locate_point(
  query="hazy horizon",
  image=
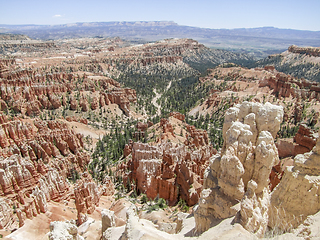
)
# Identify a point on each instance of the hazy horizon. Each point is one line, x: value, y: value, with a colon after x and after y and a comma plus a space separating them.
x: 156, y: 21
x: 232, y: 14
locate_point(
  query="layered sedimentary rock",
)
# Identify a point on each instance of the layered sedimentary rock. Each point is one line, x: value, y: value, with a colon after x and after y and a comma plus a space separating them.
x: 297, y: 195
x: 241, y: 172
x: 283, y: 85
x: 167, y: 170
x: 306, y: 139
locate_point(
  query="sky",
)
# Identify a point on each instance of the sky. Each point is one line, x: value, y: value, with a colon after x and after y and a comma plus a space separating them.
x: 293, y: 14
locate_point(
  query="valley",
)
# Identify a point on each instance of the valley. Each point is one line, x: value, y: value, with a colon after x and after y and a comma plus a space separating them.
x: 104, y: 138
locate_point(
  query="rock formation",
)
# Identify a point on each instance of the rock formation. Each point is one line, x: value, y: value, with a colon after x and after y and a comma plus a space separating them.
x: 241, y: 172
x: 31, y: 91
x: 305, y: 138
x: 6, y: 213
x: 166, y: 170
x: 284, y: 85
x: 36, y: 157
x: 178, y: 115
x: 297, y: 195
x: 87, y: 196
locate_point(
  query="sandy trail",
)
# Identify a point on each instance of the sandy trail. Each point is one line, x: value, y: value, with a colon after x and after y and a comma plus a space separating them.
x: 155, y: 99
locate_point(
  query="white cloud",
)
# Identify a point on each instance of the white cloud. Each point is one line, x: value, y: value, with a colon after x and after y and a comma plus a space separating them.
x: 57, y: 16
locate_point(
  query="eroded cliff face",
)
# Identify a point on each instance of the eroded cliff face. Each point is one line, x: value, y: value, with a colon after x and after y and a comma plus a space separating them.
x: 237, y: 179
x: 36, y: 157
x: 32, y: 91
x: 170, y: 171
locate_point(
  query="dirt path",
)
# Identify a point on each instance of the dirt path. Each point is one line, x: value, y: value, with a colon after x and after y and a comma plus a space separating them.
x: 155, y: 99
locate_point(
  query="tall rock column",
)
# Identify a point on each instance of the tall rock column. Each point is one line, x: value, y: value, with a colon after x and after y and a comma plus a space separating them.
x: 241, y: 172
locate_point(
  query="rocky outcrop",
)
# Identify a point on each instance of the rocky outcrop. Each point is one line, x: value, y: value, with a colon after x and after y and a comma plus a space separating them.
x: 306, y: 139
x: 6, y: 213
x: 75, y: 119
x: 286, y: 147
x: 167, y: 170
x: 196, y: 137
x: 166, y: 126
x: 241, y: 172
x: 297, y: 195
x: 108, y: 188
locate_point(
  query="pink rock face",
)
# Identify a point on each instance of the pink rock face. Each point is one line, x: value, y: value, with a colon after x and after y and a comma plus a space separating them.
x: 286, y: 147
x: 303, y: 142
x: 198, y: 137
